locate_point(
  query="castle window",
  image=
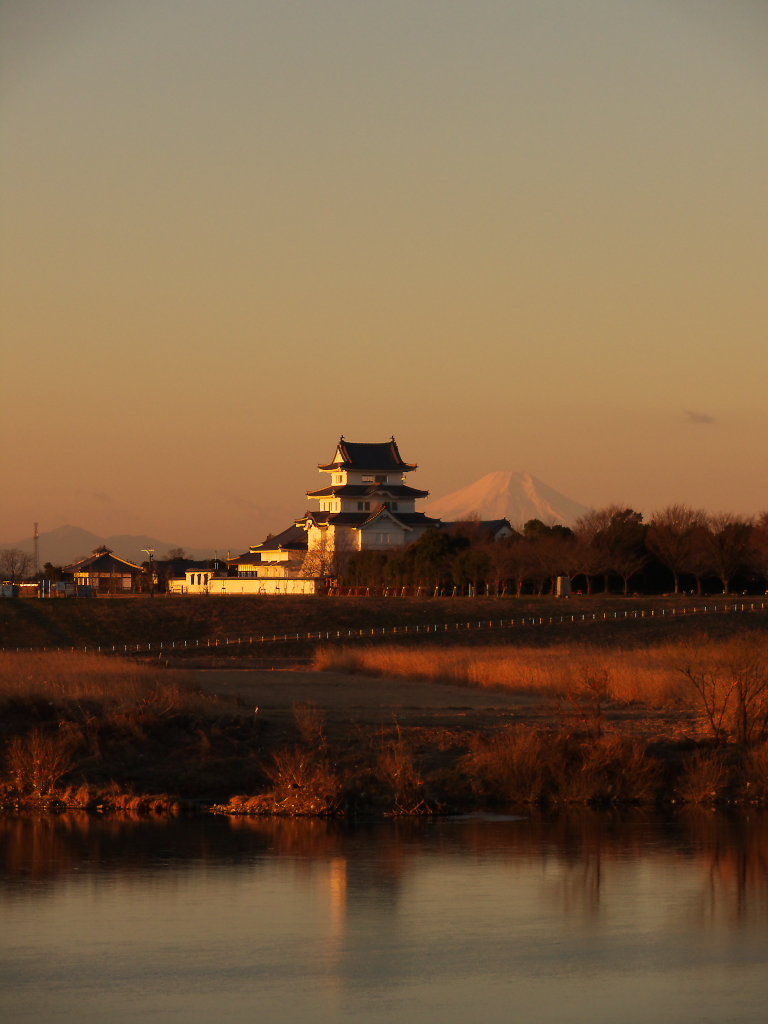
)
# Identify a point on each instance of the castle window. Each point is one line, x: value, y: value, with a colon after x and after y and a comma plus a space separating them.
x: 363, y: 506
x: 393, y: 506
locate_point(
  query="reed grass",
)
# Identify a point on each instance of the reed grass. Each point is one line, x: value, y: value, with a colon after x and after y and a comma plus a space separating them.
x: 527, y: 766
x: 649, y: 675
x: 303, y: 785
x: 66, y: 676
x: 96, y: 731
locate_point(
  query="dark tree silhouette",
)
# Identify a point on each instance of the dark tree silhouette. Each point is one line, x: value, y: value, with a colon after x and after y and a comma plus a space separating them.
x: 672, y: 537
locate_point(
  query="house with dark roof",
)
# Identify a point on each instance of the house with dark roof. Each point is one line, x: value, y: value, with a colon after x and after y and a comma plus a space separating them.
x: 105, y: 572
x: 488, y: 529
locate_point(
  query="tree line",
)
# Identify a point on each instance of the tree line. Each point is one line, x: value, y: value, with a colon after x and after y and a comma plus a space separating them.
x: 678, y: 548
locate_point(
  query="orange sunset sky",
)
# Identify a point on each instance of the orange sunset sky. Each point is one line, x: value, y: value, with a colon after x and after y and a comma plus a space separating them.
x: 524, y: 235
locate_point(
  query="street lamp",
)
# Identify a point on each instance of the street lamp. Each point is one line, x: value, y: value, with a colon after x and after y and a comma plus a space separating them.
x: 150, y: 552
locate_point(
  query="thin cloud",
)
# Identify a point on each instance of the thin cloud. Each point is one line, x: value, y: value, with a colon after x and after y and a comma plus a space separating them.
x: 101, y: 496
x: 699, y: 417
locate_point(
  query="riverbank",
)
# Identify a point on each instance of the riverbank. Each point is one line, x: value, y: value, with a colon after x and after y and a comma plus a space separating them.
x: 82, y: 731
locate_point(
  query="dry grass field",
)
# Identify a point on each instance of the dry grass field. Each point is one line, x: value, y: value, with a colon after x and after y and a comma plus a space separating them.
x: 649, y: 675
x: 56, y: 676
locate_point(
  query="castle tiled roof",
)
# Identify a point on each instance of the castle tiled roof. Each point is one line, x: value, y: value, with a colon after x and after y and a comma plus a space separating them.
x: 360, y: 519
x: 292, y: 539
x: 377, y: 457
x: 364, y: 490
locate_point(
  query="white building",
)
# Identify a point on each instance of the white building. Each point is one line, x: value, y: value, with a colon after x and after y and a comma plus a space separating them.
x: 366, y: 503
x: 274, y: 567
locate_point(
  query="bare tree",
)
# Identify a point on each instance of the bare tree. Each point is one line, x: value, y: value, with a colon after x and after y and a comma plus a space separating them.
x: 37, y: 761
x: 590, y: 529
x: 623, y: 542
x: 672, y: 535
x: 698, y: 558
x: 588, y: 561
x: 730, y: 681
x: 504, y: 557
x: 511, y: 559
x: 730, y: 548
x: 15, y: 564
x: 472, y: 566
x: 593, y: 522
x: 329, y: 558
x: 549, y: 557
x: 760, y: 544
x: 746, y: 661
x: 320, y: 560
x: 627, y: 563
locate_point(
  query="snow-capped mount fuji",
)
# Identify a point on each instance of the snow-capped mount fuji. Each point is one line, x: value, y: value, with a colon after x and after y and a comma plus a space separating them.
x: 517, y: 497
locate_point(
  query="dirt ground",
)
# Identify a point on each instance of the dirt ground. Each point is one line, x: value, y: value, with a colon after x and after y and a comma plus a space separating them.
x: 350, y: 700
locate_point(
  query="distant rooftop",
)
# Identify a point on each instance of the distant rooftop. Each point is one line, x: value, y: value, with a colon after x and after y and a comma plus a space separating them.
x: 492, y: 526
x: 102, y: 560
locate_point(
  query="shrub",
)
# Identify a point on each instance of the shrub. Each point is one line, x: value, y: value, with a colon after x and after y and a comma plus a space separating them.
x: 705, y: 777
x: 512, y: 767
x: 310, y: 722
x: 36, y: 762
x: 754, y: 775
x: 608, y: 769
x: 301, y: 785
x: 525, y: 766
x: 396, y: 768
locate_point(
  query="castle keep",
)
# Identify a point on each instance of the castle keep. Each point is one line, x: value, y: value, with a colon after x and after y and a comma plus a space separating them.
x: 365, y: 504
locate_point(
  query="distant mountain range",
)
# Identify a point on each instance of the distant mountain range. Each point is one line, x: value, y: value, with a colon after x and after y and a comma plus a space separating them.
x: 66, y: 544
x: 517, y: 497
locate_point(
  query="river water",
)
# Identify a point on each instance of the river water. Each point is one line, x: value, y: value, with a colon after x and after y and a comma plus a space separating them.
x: 584, y: 918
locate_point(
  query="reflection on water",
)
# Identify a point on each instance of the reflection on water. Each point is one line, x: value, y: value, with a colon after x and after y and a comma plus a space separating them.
x: 577, y: 917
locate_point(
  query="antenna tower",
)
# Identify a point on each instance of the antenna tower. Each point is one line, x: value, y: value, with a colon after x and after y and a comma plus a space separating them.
x: 37, y: 551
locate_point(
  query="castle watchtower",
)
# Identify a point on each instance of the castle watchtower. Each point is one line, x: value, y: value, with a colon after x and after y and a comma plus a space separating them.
x: 366, y: 503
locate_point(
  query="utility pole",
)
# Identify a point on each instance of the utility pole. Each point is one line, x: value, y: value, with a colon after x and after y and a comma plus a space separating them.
x: 150, y: 552
x: 36, y: 551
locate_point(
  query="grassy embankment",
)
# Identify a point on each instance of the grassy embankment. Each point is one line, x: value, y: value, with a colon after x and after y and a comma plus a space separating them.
x: 67, y: 623
x: 90, y: 731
